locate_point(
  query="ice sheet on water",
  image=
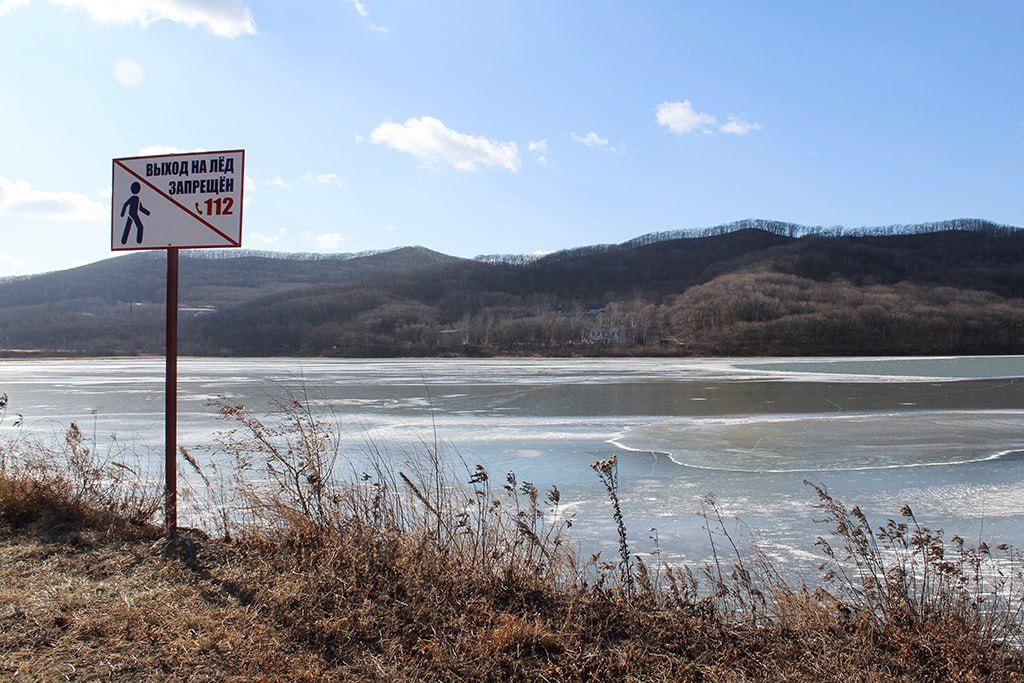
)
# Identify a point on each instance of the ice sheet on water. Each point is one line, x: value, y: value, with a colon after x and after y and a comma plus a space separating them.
x: 878, y: 432
x: 831, y: 443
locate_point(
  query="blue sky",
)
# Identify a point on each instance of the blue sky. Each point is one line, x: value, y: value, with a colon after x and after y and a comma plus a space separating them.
x: 511, y: 127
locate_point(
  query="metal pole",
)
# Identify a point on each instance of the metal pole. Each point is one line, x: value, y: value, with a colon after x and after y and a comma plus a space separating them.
x: 171, y: 400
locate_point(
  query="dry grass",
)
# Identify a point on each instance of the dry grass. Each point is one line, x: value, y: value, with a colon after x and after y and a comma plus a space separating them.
x: 100, y: 606
x: 405, y: 574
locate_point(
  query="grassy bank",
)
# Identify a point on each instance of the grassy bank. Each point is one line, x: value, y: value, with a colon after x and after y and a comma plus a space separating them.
x: 413, y: 573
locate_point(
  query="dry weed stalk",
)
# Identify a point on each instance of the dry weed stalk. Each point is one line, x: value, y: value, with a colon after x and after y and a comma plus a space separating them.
x: 906, y: 570
x: 76, y: 473
x: 288, y: 474
x: 608, y: 472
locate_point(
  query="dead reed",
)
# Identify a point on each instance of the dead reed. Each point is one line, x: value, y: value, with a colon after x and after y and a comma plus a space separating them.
x: 416, y: 570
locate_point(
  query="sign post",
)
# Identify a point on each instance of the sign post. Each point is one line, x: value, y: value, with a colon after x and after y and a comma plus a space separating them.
x: 173, y: 202
x: 171, y: 400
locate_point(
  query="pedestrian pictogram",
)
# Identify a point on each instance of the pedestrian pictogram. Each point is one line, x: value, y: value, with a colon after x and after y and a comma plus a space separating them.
x: 133, y: 205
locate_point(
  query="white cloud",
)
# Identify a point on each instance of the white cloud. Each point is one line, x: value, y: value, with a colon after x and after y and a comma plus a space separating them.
x: 361, y: 10
x: 591, y: 139
x: 263, y: 239
x: 128, y: 72
x: 540, y: 149
x: 327, y: 241
x: 390, y: 228
x: 681, y: 118
x: 596, y: 141
x: 739, y: 126
x: 430, y: 141
x: 9, y: 263
x: 9, y: 5
x: 277, y: 181
x: 326, y: 179
x: 227, y: 18
x: 19, y: 198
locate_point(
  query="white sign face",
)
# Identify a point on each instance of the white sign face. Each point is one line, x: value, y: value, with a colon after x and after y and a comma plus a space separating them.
x: 182, y: 201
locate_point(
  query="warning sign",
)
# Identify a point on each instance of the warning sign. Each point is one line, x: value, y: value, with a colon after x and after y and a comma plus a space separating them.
x: 181, y: 201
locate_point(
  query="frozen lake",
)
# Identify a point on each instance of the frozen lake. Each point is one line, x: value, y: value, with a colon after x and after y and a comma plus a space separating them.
x: 944, y: 435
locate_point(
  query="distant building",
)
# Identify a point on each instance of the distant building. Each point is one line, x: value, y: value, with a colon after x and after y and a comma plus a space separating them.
x: 613, y: 335
x: 453, y: 338
x: 197, y: 311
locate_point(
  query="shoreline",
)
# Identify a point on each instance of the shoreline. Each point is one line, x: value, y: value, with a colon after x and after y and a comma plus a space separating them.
x: 39, y: 355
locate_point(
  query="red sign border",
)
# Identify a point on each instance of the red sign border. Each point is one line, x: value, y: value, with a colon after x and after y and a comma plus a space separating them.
x: 232, y: 244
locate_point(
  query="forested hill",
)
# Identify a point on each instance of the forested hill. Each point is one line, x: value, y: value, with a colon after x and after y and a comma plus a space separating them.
x: 209, y: 277
x: 756, y: 287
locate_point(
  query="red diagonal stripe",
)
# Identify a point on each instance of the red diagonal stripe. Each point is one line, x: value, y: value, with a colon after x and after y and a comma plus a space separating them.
x: 178, y: 204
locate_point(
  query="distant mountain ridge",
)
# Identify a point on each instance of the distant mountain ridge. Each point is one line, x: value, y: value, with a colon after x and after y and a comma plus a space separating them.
x: 798, y: 230
x: 785, y: 228
x: 224, y: 254
x: 139, y: 276
x: 749, y: 287
x: 296, y: 255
